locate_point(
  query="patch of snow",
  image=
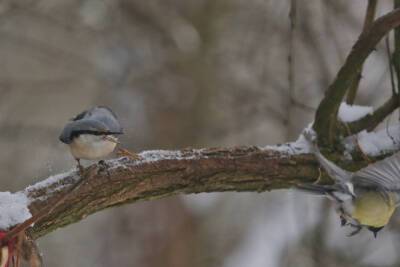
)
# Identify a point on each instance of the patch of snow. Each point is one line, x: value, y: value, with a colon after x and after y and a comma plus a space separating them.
x: 49, y: 181
x: 376, y: 143
x: 155, y: 155
x: 149, y: 156
x: 349, y: 113
x: 300, y: 146
x: 13, y: 209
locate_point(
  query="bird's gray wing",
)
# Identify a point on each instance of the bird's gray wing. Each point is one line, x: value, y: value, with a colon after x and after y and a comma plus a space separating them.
x: 83, y: 126
x: 104, y: 115
x: 383, y: 175
x: 334, y: 171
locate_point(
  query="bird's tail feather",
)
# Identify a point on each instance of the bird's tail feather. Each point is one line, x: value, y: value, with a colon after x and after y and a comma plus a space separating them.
x: 315, y: 189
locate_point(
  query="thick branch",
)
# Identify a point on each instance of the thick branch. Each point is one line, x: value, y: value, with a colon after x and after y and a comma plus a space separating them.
x: 166, y: 173
x: 325, y: 118
x: 190, y: 171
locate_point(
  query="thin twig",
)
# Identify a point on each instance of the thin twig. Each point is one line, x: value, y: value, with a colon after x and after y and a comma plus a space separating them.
x: 363, y: 155
x: 396, y: 52
x: 369, y: 18
x: 390, y: 65
x: 291, y: 64
x: 370, y: 121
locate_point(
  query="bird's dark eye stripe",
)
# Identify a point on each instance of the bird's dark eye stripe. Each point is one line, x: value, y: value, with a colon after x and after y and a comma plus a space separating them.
x: 78, y: 133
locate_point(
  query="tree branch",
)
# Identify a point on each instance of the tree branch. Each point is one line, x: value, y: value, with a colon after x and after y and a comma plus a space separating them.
x: 168, y: 173
x: 396, y: 53
x: 326, y: 115
x: 165, y: 173
x: 369, y: 18
x: 370, y: 121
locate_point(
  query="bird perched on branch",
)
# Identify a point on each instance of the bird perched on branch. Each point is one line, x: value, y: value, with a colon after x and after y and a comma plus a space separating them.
x: 92, y: 134
x: 364, y: 199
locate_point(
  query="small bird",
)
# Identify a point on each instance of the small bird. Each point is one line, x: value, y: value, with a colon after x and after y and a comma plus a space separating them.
x: 363, y: 199
x: 92, y: 134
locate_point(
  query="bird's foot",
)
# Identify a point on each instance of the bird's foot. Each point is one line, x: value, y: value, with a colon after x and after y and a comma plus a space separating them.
x: 80, y: 167
x: 103, y: 168
x: 126, y: 153
x: 358, y: 228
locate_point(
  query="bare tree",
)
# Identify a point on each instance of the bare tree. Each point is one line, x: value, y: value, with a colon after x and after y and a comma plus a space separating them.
x: 165, y: 173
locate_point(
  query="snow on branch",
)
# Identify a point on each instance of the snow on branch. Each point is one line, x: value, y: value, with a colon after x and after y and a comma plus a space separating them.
x: 350, y: 113
x: 377, y: 143
x: 163, y: 173
x: 326, y: 114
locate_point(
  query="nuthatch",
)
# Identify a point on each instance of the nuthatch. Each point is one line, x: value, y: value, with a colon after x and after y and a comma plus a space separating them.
x: 91, y: 134
x: 366, y: 198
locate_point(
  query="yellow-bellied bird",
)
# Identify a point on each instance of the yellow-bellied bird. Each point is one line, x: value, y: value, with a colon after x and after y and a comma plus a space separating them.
x: 366, y: 198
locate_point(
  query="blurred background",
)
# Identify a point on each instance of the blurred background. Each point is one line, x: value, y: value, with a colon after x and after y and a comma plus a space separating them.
x: 184, y: 73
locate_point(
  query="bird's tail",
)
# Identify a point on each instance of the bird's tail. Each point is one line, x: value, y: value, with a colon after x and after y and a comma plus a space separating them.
x: 315, y: 189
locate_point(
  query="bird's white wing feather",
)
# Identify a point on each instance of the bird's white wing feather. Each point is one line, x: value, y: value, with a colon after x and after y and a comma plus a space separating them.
x: 384, y: 174
x: 332, y: 169
x: 338, y: 174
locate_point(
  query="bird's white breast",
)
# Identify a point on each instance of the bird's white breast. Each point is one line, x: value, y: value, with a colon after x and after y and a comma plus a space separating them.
x: 87, y: 146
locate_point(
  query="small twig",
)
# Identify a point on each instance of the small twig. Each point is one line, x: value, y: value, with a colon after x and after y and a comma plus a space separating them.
x: 369, y: 18
x: 291, y: 64
x: 364, y: 156
x: 291, y: 56
x: 370, y: 121
x: 390, y: 65
x: 387, y: 131
x: 396, y: 52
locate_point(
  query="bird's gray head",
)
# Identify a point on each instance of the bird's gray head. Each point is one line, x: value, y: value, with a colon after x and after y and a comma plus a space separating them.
x: 96, y: 121
x: 66, y: 134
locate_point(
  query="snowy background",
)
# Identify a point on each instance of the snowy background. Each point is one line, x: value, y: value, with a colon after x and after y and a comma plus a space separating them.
x: 184, y: 73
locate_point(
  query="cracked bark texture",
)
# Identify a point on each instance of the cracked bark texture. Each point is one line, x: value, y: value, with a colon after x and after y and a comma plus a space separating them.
x: 208, y: 170
x: 194, y: 171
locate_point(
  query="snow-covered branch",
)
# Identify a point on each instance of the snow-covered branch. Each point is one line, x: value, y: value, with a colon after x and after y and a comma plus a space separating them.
x: 165, y: 173
x: 162, y: 173
x: 370, y: 120
x: 326, y: 114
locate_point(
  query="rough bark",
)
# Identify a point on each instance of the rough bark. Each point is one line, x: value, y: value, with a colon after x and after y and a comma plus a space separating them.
x: 170, y: 173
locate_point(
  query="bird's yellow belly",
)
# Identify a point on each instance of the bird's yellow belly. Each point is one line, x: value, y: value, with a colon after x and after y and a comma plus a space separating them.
x: 91, y: 147
x: 373, y: 209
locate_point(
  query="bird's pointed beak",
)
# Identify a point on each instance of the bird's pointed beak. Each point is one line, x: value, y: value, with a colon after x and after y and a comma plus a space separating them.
x: 375, y: 234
